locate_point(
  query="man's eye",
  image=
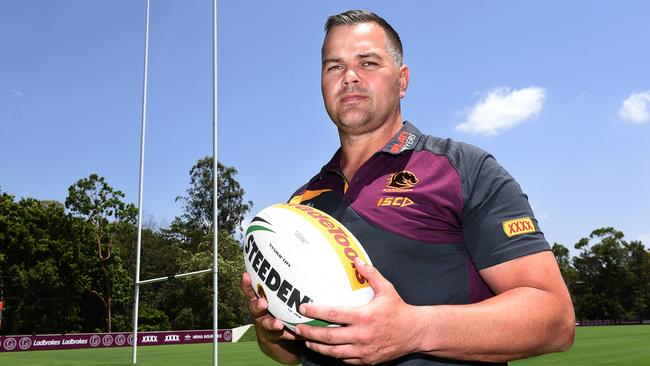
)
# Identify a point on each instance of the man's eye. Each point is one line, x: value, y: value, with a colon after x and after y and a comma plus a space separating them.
x: 369, y: 63
x: 334, y: 67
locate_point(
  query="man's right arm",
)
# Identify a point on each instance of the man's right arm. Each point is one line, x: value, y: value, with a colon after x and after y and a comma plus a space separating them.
x: 273, y: 338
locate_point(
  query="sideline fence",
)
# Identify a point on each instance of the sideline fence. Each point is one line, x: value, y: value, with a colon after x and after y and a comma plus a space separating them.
x: 599, y: 322
x: 46, y: 342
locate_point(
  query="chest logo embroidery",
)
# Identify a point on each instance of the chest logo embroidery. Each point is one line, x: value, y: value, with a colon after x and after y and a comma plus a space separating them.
x: 400, y: 182
x: 518, y: 226
x: 403, y: 179
x: 394, y: 201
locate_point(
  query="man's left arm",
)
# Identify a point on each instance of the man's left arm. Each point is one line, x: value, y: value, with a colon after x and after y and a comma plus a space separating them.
x: 531, y: 314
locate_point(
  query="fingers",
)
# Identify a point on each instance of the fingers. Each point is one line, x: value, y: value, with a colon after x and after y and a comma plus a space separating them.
x: 332, y: 314
x: 274, y: 328
x: 326, y: 335
x: 256, y: 306
x: 378, y: 282
x: 246, y: 286
x: 271, y: 323
x: 347, y: 352
x: 266, y: 325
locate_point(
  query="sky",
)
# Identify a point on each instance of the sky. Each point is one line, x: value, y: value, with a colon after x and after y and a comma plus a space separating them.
x: 558, y: 92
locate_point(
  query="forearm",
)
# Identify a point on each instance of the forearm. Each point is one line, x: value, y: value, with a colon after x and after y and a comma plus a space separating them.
x: 518, y: 323
x: 282, y: 350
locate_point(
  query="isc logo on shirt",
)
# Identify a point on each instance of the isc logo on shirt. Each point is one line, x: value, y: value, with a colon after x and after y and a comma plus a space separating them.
x: 394, y: 201
x: 518, y: 226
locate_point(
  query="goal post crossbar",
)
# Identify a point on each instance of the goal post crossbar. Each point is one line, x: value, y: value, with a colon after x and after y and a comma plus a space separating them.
x: 167, y: 278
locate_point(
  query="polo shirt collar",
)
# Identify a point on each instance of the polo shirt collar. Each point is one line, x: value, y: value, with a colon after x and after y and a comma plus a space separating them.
x: 335, y: 162
x: 404, y: 140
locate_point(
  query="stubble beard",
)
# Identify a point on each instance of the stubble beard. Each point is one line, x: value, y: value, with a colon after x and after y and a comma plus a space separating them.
x: 354, y: 120
x: 363, y: 117
x: 359, y: 119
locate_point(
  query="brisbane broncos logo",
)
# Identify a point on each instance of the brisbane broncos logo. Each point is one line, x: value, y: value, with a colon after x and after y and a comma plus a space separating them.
x: 403, y: 179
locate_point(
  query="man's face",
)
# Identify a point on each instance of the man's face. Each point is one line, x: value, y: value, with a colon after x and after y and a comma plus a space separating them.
x: 361, y: 83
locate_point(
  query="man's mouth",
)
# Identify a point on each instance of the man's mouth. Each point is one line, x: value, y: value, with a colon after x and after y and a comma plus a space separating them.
x: 353, y: 98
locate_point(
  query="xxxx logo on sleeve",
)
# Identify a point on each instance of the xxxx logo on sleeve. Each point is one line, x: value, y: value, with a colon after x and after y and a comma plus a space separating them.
x: 518, y: 226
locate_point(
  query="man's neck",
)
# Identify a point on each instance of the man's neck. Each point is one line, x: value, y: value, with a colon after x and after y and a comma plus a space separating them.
x: 357, y: 149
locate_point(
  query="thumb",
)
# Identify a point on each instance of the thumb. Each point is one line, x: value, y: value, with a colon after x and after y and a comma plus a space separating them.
x: 378, y: 282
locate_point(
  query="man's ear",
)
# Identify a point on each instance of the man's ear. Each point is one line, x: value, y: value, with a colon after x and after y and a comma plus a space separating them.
x: 403, y: 80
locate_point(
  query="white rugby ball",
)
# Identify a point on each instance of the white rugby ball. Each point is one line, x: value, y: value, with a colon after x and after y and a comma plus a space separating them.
x: 297, y: 254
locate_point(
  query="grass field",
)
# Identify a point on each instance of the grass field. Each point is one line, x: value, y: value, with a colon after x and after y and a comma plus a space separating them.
x: 624, y: 345
x: 615, y: 345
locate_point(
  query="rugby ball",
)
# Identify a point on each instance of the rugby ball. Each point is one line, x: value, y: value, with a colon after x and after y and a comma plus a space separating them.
x: 297, y: 254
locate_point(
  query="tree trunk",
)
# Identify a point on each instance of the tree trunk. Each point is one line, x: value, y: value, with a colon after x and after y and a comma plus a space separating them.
x: 110, y: 322
x: 108, y: 297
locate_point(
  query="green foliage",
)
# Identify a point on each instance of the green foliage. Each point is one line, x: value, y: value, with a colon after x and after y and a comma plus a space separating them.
x: 184, y: 319
x: 152, y: 319
x: 569, y: 274
x: 95, y: 201
x: 197, y: 293
x: 232, y: 305
x: 638, y: 264
x: 198, y: 204
x: 42, y: 267
x: 611, y: 277
x: 73, y: 271
x: 193, y: 230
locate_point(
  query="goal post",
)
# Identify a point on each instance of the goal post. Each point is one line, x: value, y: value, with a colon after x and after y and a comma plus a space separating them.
x: 214, y: 269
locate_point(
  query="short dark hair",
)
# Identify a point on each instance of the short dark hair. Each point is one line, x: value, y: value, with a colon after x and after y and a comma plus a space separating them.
x: 352, y: 17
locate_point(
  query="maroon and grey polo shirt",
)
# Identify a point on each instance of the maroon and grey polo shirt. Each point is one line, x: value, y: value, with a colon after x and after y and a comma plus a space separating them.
x: 431, y: 213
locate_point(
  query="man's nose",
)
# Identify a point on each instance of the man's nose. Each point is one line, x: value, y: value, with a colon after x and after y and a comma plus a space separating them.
x: 350, y: 77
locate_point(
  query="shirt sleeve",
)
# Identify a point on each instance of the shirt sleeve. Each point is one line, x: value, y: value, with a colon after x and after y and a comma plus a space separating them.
x: 498, y: 223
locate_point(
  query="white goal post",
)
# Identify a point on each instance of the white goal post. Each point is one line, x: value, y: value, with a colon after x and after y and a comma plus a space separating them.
x: 213, y: 270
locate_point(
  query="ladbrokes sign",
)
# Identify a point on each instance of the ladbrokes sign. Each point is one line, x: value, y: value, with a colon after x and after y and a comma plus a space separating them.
x: 105, y: 340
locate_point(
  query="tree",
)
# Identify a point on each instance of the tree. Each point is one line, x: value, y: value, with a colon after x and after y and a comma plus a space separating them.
x: 158, y: 258
x: 193, y: 229
x: 563, y: 259
x: 638, y: 265
x: 197, y: 205
x: 42, y: 263
x: 100, y: 205
x: 231, y: 306
x: 561, y: 254
x: 603, y: 287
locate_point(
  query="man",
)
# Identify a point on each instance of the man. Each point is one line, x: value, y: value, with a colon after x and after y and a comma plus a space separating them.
x: 462, y: 275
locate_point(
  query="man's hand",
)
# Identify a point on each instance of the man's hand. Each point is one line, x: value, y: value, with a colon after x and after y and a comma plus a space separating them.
x: 373, y: 333
x: 273, y: 338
